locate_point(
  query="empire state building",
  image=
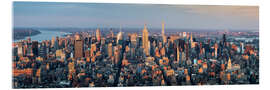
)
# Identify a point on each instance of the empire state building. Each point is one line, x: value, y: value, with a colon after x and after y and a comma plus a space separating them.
x: 145, y: 42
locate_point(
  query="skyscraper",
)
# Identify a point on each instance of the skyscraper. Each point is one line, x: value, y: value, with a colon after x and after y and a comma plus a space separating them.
x: 229, y: 66
x: 178, y: 53
x: 116, y: 54
x: 35, y: 48
x: 224, y: 40
x: 93, y: 50
x: 119, y: 37
x: 20, y: 49
x: 216, y: 49
x: 192, y: 44
x: 56, y: 44
x: 78, y: 46
x: 42, y: 50
x: 163, y: 33
x: 110, y: 51
x: 133, y: 39
x: 98, y: 35
x: 52, y: 42
x: 112, y: 35
x: 145, y: 40
x: 191, y: 39
x: 184, y: 34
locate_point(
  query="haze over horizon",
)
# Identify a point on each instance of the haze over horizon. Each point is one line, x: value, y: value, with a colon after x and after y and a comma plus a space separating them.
x: 108, y: 15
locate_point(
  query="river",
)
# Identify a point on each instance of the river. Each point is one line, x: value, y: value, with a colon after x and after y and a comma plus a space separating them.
x: 45, y: 35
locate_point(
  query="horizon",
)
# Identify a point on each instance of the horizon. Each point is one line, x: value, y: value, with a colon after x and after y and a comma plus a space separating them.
x: 135, y: 28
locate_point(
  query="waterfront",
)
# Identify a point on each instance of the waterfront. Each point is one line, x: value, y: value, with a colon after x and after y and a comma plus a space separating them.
x: 45, y: 35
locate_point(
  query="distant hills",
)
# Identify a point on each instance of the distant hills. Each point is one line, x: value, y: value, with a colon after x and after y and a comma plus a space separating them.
x: 21, y: 33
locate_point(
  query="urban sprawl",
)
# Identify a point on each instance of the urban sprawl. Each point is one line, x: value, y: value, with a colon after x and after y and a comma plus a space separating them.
x: 95, y: 59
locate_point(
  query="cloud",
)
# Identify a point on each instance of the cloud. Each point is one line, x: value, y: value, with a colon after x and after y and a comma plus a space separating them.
x: 240, y: 11
x: 134, y: 15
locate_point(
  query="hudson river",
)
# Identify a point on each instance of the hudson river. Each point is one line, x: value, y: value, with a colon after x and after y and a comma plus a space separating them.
x: 45, y: 35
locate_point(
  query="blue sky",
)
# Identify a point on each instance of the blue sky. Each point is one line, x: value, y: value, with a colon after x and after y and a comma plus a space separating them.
x: 57, y: 14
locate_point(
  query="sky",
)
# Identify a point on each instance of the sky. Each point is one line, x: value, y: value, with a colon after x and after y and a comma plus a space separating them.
x: 109, y: 15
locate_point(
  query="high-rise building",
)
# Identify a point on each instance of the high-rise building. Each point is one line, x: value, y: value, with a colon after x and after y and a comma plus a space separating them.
x: 164, y: 38
x: 133, y: 39
x: 93, y: 50
x: 42, y: 50
x: 216, y: 49
x: 28, y: 40
x: 119, y: 37
x: 242, y: 48
x: 110, y: 50
x: 71, y: 70
x: 191, y: 38
x: 35, y: 48
x: 229, y: 66
x: 111, y: 35
x: 98, y: 35
x: 184, y: 34
x: 58, y: 53
x: 116, y: 54
x: 56, y: 44
x: 87, y: 53
x: 224, y: 39
x: 52, y: 42
x: 20, y: 49
x: 178, y: 54
x: 145, y: 40
x: 78, y: 46
x: 187, y: 50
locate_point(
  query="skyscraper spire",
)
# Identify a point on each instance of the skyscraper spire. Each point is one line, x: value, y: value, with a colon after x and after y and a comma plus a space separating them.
x: 145, y: 40
x: 144, y: 26
x: 229, y: 66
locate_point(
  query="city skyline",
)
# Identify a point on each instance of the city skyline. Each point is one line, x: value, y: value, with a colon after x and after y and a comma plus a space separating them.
x: 83, y: 15
x: 72, y: 45
x: 84, y: 59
